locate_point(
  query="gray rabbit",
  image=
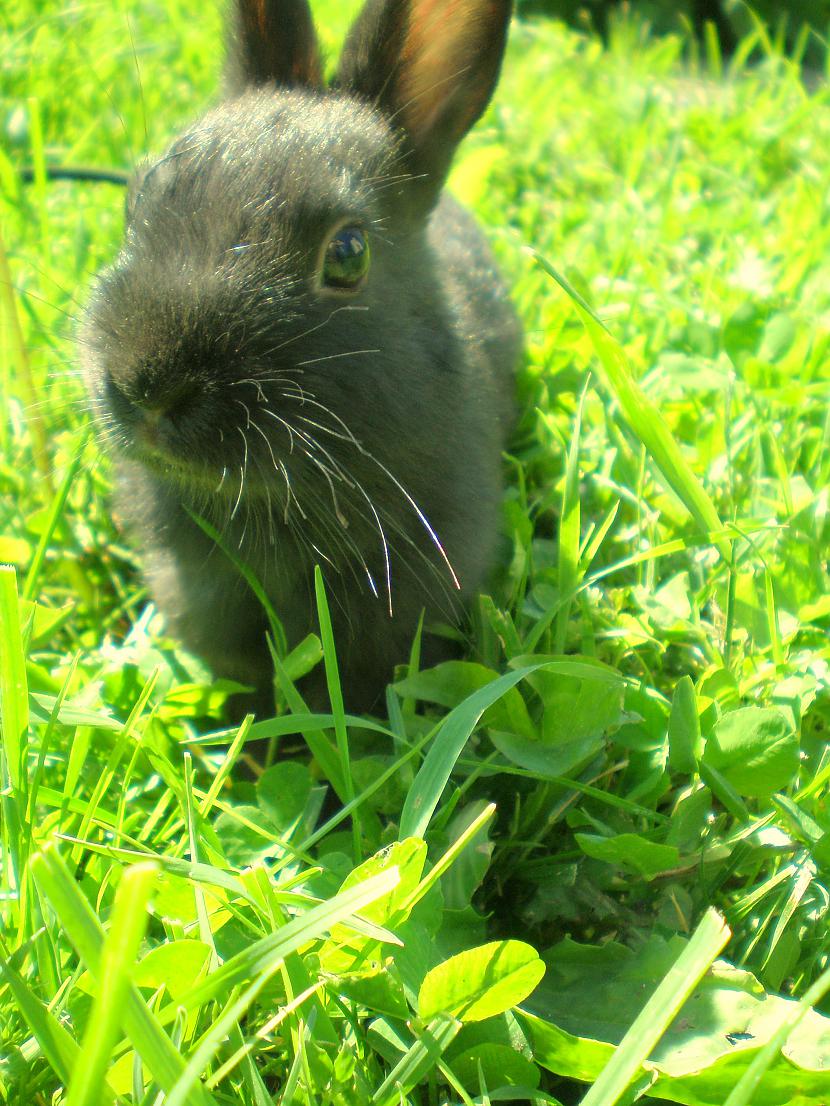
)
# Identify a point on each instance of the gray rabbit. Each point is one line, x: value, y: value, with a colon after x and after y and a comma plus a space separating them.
x: 306, y: 342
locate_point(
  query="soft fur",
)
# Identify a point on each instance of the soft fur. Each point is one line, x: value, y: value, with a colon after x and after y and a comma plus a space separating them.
x: 358, y: 430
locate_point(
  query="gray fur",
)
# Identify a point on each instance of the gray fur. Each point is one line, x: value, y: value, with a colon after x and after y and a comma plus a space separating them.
x: 355, y: 430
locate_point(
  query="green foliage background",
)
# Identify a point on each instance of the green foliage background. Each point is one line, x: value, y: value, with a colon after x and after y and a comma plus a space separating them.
x: 638, y: 732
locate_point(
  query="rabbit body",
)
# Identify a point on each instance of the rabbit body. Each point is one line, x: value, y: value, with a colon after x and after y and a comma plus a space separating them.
x: 357, y: 427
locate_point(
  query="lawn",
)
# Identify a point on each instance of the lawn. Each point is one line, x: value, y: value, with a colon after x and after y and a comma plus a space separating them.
x: 608, y: 825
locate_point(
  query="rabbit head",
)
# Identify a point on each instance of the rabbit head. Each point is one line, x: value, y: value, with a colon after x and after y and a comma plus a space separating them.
x: 283, y: 335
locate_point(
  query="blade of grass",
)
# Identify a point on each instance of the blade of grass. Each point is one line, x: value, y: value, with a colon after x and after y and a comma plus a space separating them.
x: 263, y: 1033
x: 56, y: 509
x: 665, y: 549
x: 270, y: 951
x: 454, y: 732
x: 274, y: 624
x: 59, y: 1047
x: 220, y: 1029
x: 228, y: 762
x: 634, y: 1049
x: 418, y: 1060
x: 192, y: 829
x: 569, y: 530
x: 317, y: 741
x: 14, y: 691
x: 14, y: 728
x: 20, y: 356
x: 643, y: 417
x: 336, y: 700
x: 435, y: 873
x: 118, y: 750
x: 128, y: 925
x: 86, y: 934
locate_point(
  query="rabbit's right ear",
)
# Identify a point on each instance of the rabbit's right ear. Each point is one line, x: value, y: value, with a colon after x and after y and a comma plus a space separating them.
x: 271, y: 42
x: 431, y: 67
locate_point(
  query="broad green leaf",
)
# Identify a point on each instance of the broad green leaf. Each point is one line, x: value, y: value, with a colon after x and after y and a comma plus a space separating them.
x: 630, y: 852
x: 46, y: 621
x: 14, y: 551
x: 685, y: 744
x: 592, y: 994
x: 755, y: 749
x: 348, y: 952
x: 548, y: 761
x: 379, y: 991
x: 661, y: 1008
x: 448, y: 684
x: 282, y: 792
x: 176, y: 966
x: 490, y: 1066
x: 247, y: 834
x: 408, y: 857
x: 482, y: 982
x: 466, y: 873
x: 577, y: 708
x: 303, y: 657
x: 790, y: 1019
x: 744, y: 331
x: 72, y: 715
x: 453, y: 733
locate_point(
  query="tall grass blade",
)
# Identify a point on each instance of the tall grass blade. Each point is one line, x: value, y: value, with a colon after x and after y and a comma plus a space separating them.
x: 336, y: 700
x: 58, y: 1046
x: 569, y: 531
x: 86, y: 934
x: 644, y: 418
x: 14, y: 729
x: 418, y: 1060
x: 128, y: 925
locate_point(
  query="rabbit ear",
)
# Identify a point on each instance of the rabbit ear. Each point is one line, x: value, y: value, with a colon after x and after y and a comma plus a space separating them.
x: 272, y: 41
x: 431, y: 65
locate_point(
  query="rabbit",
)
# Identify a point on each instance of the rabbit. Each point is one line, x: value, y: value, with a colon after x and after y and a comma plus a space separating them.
x: 305, y: 341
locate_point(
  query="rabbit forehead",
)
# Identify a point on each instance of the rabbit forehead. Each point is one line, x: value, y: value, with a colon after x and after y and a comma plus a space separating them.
x: 283, y: 159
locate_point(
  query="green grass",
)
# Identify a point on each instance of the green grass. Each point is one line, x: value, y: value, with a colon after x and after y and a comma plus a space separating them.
x: 638, y: 735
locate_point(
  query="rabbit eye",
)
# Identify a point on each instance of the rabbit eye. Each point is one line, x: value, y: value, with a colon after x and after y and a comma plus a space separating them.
x: 347, y: 259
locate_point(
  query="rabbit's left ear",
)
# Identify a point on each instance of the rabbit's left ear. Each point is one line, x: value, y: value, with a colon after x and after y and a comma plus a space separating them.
x: 271, y: 42
x: 431, y: 66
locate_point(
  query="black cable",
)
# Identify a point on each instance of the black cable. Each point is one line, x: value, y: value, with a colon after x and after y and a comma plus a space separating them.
x: 78, y: 172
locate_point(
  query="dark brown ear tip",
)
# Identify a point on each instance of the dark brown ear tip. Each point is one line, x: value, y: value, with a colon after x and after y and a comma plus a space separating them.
x: 272, y: 42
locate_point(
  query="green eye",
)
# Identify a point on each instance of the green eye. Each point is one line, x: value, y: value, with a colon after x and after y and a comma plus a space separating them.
x: 347, y: 259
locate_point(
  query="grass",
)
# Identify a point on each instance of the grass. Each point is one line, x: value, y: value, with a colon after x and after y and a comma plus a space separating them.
x: 628, y: 776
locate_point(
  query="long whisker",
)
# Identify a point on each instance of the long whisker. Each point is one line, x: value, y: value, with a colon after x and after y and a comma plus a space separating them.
x: 314, y: 329
x: 242, y: 472
x: 335, y: 357
x: 349, y: 436
x: 387, y: 560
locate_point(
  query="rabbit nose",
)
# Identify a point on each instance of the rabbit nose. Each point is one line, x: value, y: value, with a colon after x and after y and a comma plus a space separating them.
x: 167, y: 402
x: 155, y: 400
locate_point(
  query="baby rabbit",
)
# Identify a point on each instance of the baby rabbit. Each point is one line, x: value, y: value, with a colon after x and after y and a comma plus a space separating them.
x: 306, y: 342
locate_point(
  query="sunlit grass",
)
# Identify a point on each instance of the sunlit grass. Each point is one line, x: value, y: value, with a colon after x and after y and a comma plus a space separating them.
x: 656, y: 744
